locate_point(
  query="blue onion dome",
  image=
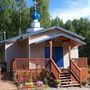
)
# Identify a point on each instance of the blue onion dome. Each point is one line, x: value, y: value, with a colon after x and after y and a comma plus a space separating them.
x: 35, y: 15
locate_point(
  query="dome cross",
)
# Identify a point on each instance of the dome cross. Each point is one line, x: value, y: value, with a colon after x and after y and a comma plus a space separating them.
x: 35, y: 4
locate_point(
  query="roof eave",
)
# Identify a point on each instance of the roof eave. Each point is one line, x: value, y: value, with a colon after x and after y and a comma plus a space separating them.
x: 72, y: 33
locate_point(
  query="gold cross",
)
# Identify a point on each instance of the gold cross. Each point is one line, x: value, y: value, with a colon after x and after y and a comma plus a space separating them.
x: 35, y: 4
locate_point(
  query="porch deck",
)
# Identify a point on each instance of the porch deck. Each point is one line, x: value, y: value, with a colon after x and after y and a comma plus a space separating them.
x: 28, y: 67
x: 78, y: 66
x: 35, y: 66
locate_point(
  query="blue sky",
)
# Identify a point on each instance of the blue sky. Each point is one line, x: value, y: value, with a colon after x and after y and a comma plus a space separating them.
x: 67, y: 9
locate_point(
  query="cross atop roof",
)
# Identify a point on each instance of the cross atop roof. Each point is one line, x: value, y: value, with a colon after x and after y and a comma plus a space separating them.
x: 35, y: 4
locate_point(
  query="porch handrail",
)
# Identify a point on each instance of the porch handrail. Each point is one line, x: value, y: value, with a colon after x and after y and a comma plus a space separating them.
x: 81, y: 62
x: 27, y: 64
x: 76, y: 70
x: 54, y: 69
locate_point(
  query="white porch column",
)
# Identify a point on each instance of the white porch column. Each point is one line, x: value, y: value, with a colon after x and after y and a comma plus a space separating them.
x: 51, y: 51
x: 29, y: 48
x: 69, y: 51
x: 5, y: 53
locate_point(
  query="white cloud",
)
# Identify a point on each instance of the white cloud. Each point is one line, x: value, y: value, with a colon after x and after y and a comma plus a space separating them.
x: 72, y: 12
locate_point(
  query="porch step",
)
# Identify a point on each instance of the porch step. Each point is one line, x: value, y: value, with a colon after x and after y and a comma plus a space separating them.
x: 64, y: 70
x: 67, y: 79
x: 62, y: 75
x: 68, y: 72
x: 69, y: 82
x: 70, y: 85
x: 64, y: 80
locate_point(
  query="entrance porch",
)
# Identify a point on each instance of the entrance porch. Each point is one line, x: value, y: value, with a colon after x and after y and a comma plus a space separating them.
x: 36, y: 67
x: 58, y: 57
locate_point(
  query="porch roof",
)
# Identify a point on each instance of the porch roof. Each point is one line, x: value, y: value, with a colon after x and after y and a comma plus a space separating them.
x: 42, y: 39
x: 77, y: 38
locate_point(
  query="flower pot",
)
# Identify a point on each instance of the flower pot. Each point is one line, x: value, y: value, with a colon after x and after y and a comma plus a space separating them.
x: 57, y: 83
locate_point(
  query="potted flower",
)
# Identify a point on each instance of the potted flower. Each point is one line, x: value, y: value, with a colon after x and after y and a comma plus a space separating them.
x: 29, y: 85
x: 39, y: 83
x: 20, y: 81
x: 85, y: 82
x: 57, y: 82
x: 89, y: 80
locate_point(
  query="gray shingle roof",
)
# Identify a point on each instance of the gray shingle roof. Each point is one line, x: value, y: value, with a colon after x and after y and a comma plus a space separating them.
x: 26, y: 35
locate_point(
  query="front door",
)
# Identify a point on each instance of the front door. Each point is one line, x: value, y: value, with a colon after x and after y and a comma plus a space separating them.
x: 57, y: 55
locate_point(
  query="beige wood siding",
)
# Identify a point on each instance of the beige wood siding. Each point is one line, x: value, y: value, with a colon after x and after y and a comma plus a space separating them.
x: 74, y: 52
x: 37, y: 50
x: 15, y: 50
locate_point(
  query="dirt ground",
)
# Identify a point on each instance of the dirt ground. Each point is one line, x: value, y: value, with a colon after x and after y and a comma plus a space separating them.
x: 5, y: 83
x: 70, y: 88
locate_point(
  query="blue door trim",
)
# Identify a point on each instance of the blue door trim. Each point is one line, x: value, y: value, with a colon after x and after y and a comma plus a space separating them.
x: 57, y: 55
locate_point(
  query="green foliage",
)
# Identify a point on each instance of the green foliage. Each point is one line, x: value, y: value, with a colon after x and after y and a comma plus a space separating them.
x: 88, y: 80
x: 5, y: 15
x: 69, y: 26
x: 81, y: 27
x: 43, y: 10
x: 10, y: 15
x: 84, y: 82
x: 57, y: 22
x: 57, y: 81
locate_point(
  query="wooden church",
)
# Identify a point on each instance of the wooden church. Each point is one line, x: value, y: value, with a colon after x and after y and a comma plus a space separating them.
x: 54, y: 49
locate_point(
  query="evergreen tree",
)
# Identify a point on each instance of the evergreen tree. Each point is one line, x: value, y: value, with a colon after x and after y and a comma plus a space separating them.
x: 43, y: 10
x: 23, y: 16
x: 10, y: 13
x: 69, y: 26
x: 57, y: 22
x: 5, y: 15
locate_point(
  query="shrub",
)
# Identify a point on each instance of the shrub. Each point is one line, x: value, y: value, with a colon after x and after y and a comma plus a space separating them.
x: 85, y: 82
x: 57, y: 81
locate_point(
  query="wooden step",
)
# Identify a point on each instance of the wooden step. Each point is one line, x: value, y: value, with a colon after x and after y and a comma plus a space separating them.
x: 63, y: 80
x: 65, y: 73
x: 66, y: 77
x: 70, y: 85
x: 64, y: 70
x: 70, y: 82
x: 74, y: 82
